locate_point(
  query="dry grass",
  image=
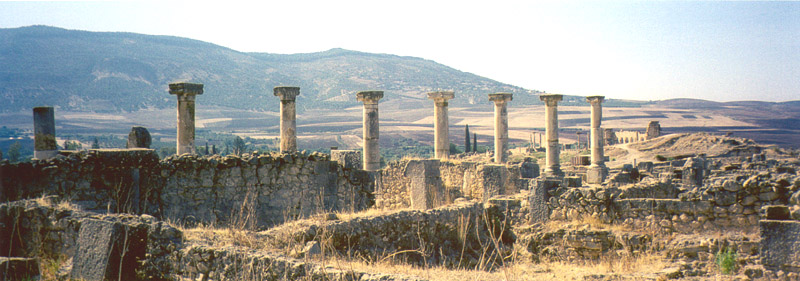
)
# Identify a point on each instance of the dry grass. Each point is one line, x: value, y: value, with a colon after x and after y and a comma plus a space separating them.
x: 50, y: 201
x: 640, y: 266
x: 371, y: 212
x: 220, y: 237
x: 282, y: 240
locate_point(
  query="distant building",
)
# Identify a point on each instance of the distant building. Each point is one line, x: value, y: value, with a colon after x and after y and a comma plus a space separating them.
x: 653, y: 130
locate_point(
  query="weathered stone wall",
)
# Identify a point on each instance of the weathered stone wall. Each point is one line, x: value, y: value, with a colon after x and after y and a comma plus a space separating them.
x: 456, y: 179
x: 259, y: 190
x: 392, y: 191
x: 208, y: 263
x: 629, y: 136
x: 569, y: 244
x: 430, y: 237
x: 97, y: 179
x: 728, y: 198
x: 251, y: 191
x: 34, y: 228
x: 97, y: 245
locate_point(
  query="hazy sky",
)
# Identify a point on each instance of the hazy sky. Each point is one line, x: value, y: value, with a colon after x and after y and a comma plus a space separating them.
x: 623, y: 49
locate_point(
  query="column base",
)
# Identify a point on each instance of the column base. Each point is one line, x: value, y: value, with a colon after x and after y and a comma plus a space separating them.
x: 44, y: 154
x: 554, y: 171
x: 186, y: 150
x: 596, y: 174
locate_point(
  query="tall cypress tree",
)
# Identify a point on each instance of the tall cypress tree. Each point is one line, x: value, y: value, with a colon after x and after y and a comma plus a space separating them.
x: 475, y: 142
x: 467, y: 146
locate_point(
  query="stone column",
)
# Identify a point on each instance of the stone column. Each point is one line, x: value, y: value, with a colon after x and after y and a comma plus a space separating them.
x: 372, y: 156
x: 597, y: 171
x: 441, y: 128
x: 500, y: 125
x: 288, y: 117
x: 553, y: 168
x: 186, y: 93
x: 44, y: 130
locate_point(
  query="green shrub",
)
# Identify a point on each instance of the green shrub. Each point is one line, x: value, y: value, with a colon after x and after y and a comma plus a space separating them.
x: 726, y: 260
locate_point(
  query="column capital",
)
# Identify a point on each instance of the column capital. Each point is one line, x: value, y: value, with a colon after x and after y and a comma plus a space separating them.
x: 287, y: 93
x: 369, y: 97
x: 595, y: 99
x: 441, y: 96
x: 500, y: 97
x: 182, y: 89
x: 551, y: 99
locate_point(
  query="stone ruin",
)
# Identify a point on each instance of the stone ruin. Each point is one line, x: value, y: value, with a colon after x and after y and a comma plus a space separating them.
x: 653, y: 130
x: 125, y: 213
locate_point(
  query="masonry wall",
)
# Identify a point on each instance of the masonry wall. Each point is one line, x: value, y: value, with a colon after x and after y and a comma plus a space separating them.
x: 455, y: 179
x: 419, y: 237
x: 250, y: 191
x: 727, y: 198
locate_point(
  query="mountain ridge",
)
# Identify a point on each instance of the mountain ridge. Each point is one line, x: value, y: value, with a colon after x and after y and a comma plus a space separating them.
x: 122, y: 71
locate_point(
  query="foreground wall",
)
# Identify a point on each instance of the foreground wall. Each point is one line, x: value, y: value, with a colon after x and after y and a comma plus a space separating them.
x: 249, y: 191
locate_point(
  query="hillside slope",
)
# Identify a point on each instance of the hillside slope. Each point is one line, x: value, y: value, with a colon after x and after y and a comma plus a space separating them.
x: 108, y: 72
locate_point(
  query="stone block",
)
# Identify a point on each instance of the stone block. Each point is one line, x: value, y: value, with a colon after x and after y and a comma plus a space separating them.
x: 426, y: 184
x: 777, y: 212
x: 139, y: 137
x: 349, y: 159
x: 495, y: 179
x: 646, y: 166
x: 538, y: 197
x: 572, y: 181
x: 529, y: 170
x: 108, y: 250
x: 15, y: 268
x: 780, y: 245
x: 596, y: 174
x: 627, y: 167
x: 724, y: 198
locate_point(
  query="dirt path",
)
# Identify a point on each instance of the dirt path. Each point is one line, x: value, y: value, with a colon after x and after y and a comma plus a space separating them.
x: 631, y: 154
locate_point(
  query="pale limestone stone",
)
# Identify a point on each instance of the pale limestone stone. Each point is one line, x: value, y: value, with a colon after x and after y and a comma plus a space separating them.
x: 288, y: 124
x: 44, y: 130
x: 372, y: 157
x: 598, y: 171
x: 553, y: 167
x: 186, y: 93
x: 500, y: 125
x: 441, y: 127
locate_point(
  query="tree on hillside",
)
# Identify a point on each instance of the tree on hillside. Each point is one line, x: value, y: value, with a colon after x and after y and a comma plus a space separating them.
x: 237, y: 145
x: 454, y: 149
x: 14, y: 151
x: 95, y: 144
x: 72, y: 145
x: 475, y: 142
x: 467, y: 147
